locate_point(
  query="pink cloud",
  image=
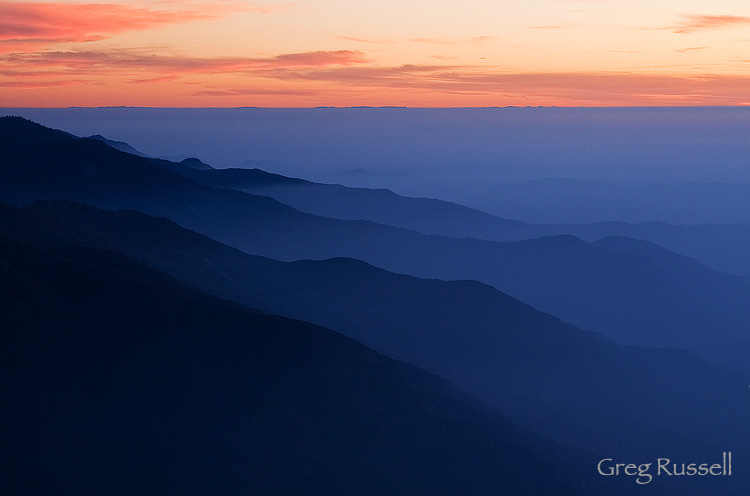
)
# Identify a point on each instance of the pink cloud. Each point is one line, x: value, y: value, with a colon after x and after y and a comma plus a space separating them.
x: 35, y: 85
x: 325, y: 77
x: 61, y: 68
x: 153, y: 80
x: 692, y: 23
x: 256, y: 92
x: 557, y: 88
x: 113, y: 62
x: 316, y: 59
x: 23, y: 25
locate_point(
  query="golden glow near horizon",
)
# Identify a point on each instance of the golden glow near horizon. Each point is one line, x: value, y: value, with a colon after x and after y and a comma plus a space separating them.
x: 333, y: 52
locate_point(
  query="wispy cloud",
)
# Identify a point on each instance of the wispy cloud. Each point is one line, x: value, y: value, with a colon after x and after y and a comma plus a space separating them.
x: 159, y: 66
x: 547, y: 26
x: 25, y: 25
x: 689, y: 49
x: 692, y: 23
x: 36, y: 85
x: 553, y: 88
x: 257, y: 92
x: 453, y: 41
x: 444, y: 57
x: 374, y: 41
x: 313, y: 59
x: 322, y: 76
x: 433, y: 41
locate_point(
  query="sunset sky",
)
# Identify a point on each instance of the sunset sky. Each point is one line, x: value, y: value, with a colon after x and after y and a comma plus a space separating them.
x: 419, y: 53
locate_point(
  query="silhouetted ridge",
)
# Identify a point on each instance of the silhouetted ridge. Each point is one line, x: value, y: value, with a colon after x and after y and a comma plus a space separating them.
x: 79, y: 168
x: 571, y: 385
x: 630, y: 298
x: 721, y: 247
x: 240, y: 179
x: 647, y: 250
x: 424, y: 215
x: 117, y: 145
x: 195, y: 163
x: 558, y: 240
x: 14, y: 128
x: 118, y: 380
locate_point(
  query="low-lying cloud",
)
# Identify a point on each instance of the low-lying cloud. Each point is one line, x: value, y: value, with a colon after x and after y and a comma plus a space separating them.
x: 162, y: 65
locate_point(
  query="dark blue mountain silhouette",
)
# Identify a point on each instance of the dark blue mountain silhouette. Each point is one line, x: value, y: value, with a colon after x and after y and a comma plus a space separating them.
x: 118, y: 379
x: 118, y: 145
x: 574, y: 386
x: 15, y: 129
x: 719, y: 246
x: 628, y: 297
x: 423, y: 215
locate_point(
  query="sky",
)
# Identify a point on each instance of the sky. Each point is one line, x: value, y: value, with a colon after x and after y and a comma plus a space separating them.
x: 417, y: 53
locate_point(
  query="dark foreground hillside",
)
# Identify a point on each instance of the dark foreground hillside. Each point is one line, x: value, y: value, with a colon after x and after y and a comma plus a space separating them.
x: 572, y: 386
x: 119, y: 380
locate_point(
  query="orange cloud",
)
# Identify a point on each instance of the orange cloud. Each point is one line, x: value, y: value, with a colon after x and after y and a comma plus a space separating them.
x: 314, y: 59
x: 364, y: 40
x: 160, y: 66
x: 35, y: 85
x: 25, y: 25
x: 597, y: 89
x: 548, y: 26
x: 416, y: 86
x: 689, y: 49
x: 692, y: 23
x: 128, y: 69
x: 257, y: 91
x: 342, y: 77
x: 453, y: 41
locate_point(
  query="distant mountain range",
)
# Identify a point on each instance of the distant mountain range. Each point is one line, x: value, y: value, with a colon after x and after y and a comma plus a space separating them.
x: 719, y: 246
x: 545, y: 374
x: 649, y: 297
x: 130, y: 354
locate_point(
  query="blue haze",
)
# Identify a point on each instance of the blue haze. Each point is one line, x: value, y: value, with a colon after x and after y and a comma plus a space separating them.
x: 472, y: 156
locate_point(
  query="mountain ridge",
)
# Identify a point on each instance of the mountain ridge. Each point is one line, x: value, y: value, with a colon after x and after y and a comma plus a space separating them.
x: 629, y: 298
x: 542, y: 372
x: 121, y: 380
x: 439, y: 217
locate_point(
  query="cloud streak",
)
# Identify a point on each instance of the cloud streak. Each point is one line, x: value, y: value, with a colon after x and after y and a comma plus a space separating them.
x: 373, y: 41
x: 256, y: 92
x: 25, y: 25
x: 453, y: 41
x: 331, y: 77
x: 160, y: 66
x: 552, y: 88
x: 689, y: 49
x: 693, y: 23
x: 547, y: 26
x: 324, y: 75
x: 36, y: 85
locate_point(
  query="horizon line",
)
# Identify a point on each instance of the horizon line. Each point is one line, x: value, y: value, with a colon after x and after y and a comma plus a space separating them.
x: 323, y: 107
